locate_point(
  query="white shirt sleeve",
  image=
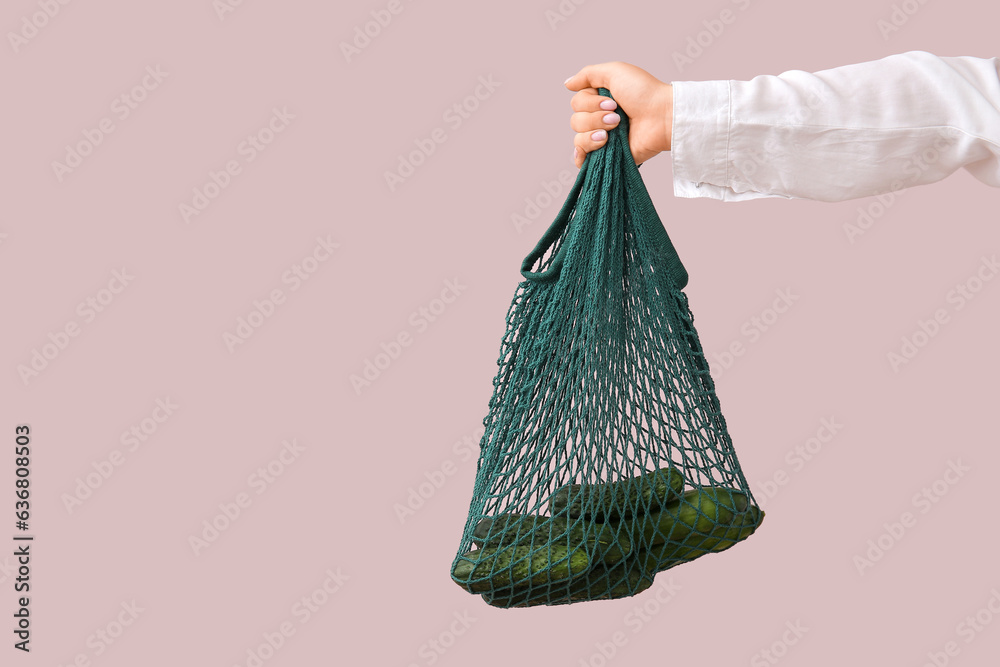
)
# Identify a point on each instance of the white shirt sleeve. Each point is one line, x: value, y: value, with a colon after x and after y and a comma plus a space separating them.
x: 853, y: 131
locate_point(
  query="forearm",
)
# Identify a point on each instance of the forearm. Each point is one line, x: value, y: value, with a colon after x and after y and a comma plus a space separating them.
x: 852, y: 131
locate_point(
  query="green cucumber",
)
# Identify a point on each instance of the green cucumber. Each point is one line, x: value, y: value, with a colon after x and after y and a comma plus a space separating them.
x: 601, y: 583
x: 722, y: 538
x: 489, y: 568
x: 613, y: 501
x: 699, y: 509
x: 511, y: 528
x: 696, y: 543
x: 605, y: 543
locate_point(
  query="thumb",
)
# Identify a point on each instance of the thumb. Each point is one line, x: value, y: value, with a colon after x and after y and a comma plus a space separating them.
x: 591, y: 76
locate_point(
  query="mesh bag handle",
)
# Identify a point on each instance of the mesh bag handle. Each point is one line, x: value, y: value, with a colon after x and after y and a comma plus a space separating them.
x: 597, y: 178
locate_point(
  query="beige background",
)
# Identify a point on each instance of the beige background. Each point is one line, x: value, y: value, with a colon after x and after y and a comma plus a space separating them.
x: 342, y: 460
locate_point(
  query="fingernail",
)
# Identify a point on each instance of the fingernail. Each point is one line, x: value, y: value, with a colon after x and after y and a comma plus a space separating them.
x: 607, y: 105
x: 566, y: 81
x: 576, y: 152
x: 600, y: 135
x: 611, y: 118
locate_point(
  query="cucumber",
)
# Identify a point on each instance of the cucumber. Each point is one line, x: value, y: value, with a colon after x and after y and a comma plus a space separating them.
x: 722, y: 538
x: 486, y: 569
x: 636, y: 582
x: 604, y: 542
x: 615, y: 549
x: 696, y: 543
x: 505, y: 529
x: 613, y: 501
x: 601, y: 583
x: 700, y: 510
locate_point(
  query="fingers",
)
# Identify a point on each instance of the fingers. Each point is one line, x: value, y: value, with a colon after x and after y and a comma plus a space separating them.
x: 585, y: 142
x: 592, y: 131
x: 594, y: 114
x: 594, y: 117
x: 588, y: 100
x: 592, y: 76
x: 594, y: 120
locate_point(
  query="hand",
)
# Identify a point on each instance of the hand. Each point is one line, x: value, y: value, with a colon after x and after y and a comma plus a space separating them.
x: 648, y: 102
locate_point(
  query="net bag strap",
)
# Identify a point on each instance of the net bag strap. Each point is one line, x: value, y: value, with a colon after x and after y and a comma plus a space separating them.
x: 586, y: 185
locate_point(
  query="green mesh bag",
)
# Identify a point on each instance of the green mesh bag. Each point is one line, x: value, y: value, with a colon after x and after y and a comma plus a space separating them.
x: 605, y: 457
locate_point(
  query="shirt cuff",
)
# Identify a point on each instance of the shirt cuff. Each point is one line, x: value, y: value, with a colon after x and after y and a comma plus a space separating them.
x: 699, y: 142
